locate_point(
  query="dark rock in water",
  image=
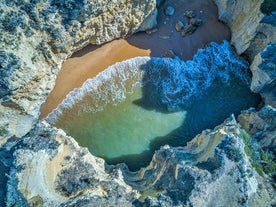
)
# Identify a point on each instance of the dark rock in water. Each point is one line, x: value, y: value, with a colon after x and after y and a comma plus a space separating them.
x: 169, y: 54
x: 196, y: 21
x: 169, y: 10
x: 189, y: 14
x: 188, y: 29
x: 179, y: 26
x: 159, y: 2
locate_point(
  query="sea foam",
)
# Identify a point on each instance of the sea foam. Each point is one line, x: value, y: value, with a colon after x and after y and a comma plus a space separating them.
x: 176, y: 81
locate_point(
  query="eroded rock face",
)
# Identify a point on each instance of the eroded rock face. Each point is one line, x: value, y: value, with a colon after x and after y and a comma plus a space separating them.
x: 264, y: 74
x: 262, y: 125
x: 214, y: 161
x: 49, y: 168
x: 254, y: 35
x: 37, y: 36
x: 52, y: 169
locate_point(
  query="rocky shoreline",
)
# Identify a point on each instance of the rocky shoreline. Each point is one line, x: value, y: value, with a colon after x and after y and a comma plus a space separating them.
x: 41, y: 166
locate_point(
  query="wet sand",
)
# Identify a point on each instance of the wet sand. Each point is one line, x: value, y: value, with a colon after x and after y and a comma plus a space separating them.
x: 91, y: 60
x: 76, y: 70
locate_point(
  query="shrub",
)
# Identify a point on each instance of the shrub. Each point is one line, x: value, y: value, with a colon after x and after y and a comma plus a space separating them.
x: 233, y: 154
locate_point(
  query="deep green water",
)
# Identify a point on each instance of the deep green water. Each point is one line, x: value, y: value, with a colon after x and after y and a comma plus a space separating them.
x: 124, y: 115
x: 130, y: 133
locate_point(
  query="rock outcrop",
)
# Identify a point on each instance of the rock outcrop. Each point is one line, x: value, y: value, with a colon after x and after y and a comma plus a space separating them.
x: 37, y: 36
x: 264, y: 74
x: 51, y: 169
x: 47, y: 168
x: 253, y: 34
x: 261, y: 125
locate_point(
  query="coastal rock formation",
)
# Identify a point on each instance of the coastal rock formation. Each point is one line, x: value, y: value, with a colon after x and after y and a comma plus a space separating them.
x: 47, y: 168
x: 261, y: 125
x: 36, y: 37
x: 51, y: 169
x: 264, y: 74
x: 253, y: 34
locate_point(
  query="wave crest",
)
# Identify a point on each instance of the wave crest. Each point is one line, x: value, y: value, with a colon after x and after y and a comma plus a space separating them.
x: 176, y: 81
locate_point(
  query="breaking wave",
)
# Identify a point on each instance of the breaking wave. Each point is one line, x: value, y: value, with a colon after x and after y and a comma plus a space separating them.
x: 176, y: 81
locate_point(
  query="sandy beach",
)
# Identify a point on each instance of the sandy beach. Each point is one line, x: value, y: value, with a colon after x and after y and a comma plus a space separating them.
x: 91, y: 60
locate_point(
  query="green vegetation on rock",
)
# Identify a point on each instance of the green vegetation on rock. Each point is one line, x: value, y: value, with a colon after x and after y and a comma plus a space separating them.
x: 261, y: 161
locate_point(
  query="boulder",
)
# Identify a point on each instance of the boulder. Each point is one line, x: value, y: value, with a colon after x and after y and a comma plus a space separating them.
x: 179, y: 26
x: 190, y: 14
x: 264, y: 74
x: 169, y: 54
x: 195, y: 21
x: 187, y: 30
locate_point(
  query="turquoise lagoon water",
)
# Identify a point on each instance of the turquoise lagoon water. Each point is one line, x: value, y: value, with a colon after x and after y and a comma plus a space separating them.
x: 134, y: 107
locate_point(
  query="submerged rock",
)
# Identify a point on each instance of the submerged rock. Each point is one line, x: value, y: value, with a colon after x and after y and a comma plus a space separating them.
x: 189, y: 14
x: 169, y: 10
x: 196, y: 21
x: 187, y: 30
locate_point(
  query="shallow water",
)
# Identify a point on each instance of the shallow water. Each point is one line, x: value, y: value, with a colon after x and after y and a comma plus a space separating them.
x: 134, y: 107
x: 121, y: 129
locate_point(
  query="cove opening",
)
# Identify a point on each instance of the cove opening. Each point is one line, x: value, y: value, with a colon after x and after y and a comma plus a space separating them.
x: 134, y: 107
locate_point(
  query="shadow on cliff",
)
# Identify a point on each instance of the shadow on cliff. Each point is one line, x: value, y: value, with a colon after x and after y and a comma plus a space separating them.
x: 204, y: 111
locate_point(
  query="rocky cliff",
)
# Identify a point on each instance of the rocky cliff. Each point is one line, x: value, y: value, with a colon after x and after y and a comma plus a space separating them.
x: 41, y: 166
x: 50, y: 168
x: 37, y: 36
x: 254, y: 36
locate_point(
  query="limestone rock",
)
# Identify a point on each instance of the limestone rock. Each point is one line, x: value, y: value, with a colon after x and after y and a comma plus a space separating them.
x: 37, y: 36
x: 52, y: 169
x: 243, y: 18
x: 214, y: 161
x: 252, y: 33
x: 196, y: 21
x: 179, y: 26
x: 262, y: 125
x: 264, y: 74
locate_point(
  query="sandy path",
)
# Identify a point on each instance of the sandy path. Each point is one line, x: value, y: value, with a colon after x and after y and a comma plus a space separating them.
x: 91, y: 60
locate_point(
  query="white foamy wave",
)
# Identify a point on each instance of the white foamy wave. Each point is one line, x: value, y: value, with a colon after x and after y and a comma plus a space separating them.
x: 174, y: 81
x: 177, y: 81
x: 107, y: 86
